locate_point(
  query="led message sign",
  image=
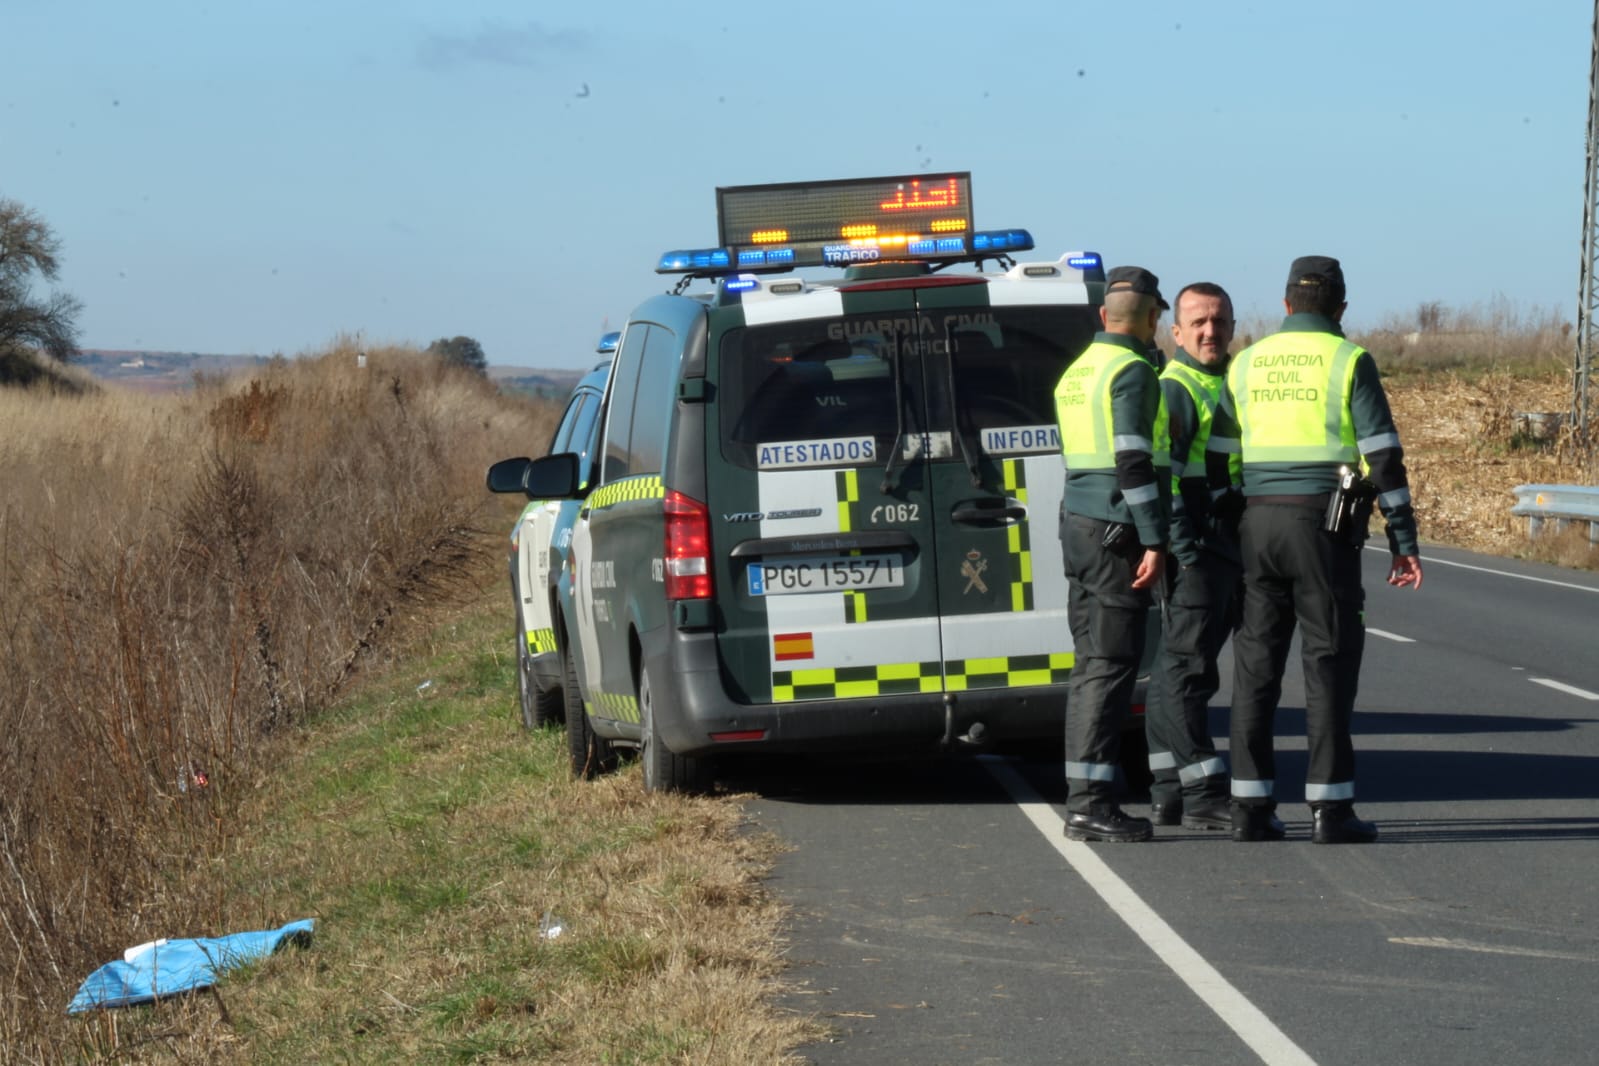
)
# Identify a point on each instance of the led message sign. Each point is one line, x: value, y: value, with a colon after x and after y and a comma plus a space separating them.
x: 856, y: 220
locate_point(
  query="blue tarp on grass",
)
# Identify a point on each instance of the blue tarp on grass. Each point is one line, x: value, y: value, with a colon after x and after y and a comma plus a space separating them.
x: 167, y: 967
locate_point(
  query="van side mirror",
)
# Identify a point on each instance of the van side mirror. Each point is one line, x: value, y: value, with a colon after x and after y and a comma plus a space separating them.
x: 508, y: 475
x: 554, y: 477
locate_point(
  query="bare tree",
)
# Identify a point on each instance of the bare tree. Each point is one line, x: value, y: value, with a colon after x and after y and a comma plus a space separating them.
x: 29, y: 248
x: 1429, y: 316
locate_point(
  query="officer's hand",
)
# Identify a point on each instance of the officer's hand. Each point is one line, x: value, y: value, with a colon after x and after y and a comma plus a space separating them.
x: 1405, y: 571
x: 1149, y: 567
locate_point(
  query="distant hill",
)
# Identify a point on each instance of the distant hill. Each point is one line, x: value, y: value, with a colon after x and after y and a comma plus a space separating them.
x: 171, y: 371
x: 550, y: 384
x: 159, y: 371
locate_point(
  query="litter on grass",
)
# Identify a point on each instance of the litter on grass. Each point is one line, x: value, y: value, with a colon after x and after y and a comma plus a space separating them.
x: 167, y: 967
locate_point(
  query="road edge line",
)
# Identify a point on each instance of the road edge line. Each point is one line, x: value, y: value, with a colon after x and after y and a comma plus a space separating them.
x: 1235, y: 1010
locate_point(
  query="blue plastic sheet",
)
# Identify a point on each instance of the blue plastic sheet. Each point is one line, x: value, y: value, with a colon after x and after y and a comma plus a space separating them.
x: 167, y: 967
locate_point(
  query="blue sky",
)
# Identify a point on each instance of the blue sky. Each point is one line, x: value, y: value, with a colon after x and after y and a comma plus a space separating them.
x: 251, y: 179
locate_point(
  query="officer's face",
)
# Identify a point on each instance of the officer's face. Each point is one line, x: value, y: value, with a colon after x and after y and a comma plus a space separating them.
x: 1204, y: 327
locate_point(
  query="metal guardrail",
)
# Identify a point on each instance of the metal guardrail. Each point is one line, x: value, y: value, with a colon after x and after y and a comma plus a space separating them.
x: 1560, y: 504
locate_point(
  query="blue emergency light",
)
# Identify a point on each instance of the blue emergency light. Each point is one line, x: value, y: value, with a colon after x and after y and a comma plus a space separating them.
x: 1002, y: 241
x: 695, y: 261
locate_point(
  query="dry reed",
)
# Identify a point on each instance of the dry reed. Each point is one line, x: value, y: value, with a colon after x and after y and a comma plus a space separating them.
x: 181, y: 575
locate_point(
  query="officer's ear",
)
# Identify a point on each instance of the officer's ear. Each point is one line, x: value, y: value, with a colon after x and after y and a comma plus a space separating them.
x: 1104, y: 317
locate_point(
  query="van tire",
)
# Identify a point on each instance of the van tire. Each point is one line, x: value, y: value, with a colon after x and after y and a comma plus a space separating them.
x: 589, y: 753
x: 540, y: 707
x: 663, y: 770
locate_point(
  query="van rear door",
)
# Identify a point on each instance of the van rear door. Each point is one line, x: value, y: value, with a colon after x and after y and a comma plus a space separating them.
x: 821, y: 514
x: 886, y: 519
x: 996, y: 491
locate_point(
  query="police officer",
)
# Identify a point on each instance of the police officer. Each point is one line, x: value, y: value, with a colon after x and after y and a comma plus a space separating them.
x: 1306, y: 402
x: 1202, y: 571
x: 1114, y: 526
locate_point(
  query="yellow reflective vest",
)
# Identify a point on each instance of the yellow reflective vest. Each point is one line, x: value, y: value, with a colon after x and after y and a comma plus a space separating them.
x: 1205, y: 391
x: 1291, y: 395
x: 1087, y: 422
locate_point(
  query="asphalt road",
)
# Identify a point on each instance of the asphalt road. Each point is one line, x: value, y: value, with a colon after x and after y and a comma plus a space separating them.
x: 941, y: 917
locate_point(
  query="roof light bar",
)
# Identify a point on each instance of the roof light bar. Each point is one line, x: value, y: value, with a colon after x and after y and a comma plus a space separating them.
x: 719, y: 262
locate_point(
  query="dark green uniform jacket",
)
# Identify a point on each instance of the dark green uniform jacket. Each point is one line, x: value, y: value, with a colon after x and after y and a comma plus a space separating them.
x: 1201, y: 462
x: 1370, y: 424
x: 1118, y: 484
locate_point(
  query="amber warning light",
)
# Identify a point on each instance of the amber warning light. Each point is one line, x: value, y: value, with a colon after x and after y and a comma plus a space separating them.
x: 855, y: 220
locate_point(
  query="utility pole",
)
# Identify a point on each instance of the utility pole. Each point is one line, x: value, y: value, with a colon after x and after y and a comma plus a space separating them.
x: 1583, y: 367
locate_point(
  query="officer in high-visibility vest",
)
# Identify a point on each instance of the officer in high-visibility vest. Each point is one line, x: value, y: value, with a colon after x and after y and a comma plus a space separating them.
x: 1202, y: 570
x: 1306, y: 403
x: 1115, y: 519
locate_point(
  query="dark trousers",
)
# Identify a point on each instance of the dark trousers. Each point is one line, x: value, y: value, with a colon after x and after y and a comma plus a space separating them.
x: 1293, y: 570
x: 1195, y: 622
x: 1107, y: 619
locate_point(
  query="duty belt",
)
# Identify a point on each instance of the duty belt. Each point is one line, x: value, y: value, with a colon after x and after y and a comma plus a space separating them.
x: 1313, y: 499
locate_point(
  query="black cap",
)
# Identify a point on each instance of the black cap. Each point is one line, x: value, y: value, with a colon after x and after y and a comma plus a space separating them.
x: 1135, y: 279
x: 1316, y: 270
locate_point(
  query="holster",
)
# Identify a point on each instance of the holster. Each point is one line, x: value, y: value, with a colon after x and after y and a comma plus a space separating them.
x: 1226, y: 511
x: 1120, y: 537
x: 1349, y: 508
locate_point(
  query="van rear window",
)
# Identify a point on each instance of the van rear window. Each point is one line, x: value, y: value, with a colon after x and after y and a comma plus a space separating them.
x: 824, y: 389
x: 822, y: 380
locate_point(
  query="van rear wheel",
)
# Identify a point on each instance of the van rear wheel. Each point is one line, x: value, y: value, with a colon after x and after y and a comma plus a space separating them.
x: 589, y: 753
x: 663, y: 770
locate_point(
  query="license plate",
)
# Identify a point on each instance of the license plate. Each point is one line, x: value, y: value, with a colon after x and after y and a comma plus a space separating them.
x: 791, y: 576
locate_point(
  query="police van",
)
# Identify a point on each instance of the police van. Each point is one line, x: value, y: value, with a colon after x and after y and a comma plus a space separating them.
x: 540, y: 543
x: 826, y: 511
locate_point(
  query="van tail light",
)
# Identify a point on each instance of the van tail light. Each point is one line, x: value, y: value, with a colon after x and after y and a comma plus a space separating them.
x: 688, y: 548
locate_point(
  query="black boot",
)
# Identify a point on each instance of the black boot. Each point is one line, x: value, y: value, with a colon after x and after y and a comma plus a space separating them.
x: 1335, y: 823
x: 1206, y: 812
x: 1166, y: 808
x: 1107, y: 822
x: 1256, y: 823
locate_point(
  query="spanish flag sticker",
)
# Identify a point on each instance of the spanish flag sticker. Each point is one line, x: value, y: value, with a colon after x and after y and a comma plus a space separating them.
x: 792, y: 646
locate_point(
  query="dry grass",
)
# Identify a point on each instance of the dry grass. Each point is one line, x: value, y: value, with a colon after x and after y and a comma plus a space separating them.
x: 182, y: 577
x: 1466, y: 451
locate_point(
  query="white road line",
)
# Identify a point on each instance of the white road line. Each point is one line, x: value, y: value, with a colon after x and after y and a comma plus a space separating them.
x: 1560, y: 686
x: 1501, y: 573
x: 1390, y: 636
x: 1237, y: 1012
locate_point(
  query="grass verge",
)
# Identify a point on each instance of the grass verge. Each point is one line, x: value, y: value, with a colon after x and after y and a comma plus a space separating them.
x: 433, y: 840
